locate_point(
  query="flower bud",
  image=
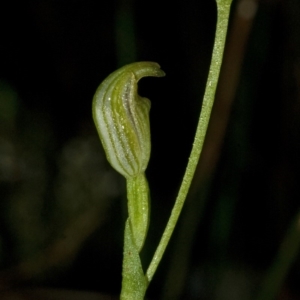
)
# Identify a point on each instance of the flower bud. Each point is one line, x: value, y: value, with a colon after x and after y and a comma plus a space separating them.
x: 122, y: 118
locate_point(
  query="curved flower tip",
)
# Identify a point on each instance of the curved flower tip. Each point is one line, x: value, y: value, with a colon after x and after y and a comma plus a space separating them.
x: 121, y: 117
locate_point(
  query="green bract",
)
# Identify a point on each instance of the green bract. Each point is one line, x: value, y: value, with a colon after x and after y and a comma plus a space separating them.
x: 122, y: 118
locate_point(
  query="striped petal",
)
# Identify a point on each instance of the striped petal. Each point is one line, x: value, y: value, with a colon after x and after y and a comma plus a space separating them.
x: 122, y: 118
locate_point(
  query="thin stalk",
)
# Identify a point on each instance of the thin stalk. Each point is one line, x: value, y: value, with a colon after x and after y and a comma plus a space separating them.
x: 192, y: 215
x: 223, y: 10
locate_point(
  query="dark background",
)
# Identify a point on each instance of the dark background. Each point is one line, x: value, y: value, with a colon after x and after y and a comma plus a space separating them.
x: 63, y: 208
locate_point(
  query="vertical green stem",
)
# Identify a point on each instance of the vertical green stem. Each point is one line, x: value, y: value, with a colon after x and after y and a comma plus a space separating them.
x: 223, y: 9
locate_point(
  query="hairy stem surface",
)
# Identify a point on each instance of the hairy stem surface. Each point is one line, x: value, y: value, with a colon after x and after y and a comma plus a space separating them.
x: 223, y: 9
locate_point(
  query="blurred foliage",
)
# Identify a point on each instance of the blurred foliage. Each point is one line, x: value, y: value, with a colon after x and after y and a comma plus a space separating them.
x: 62, y: 217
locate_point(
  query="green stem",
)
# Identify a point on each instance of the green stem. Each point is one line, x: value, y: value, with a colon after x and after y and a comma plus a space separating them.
x: 223, y: 8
